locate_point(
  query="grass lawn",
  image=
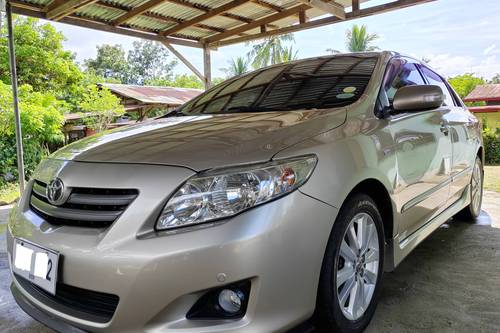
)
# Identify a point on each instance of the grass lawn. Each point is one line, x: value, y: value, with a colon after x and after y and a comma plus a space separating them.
x: 492, y: 178
x: 9, y: 193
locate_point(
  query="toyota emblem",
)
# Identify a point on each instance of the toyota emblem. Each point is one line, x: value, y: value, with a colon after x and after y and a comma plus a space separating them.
x: 55, y: 192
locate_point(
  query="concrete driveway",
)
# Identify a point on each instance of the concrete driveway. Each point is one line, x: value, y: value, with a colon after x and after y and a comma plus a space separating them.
x: 450, y: 283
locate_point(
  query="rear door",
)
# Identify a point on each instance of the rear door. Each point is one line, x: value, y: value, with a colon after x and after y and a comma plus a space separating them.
x: 461, y: 125
x: 423, y: 153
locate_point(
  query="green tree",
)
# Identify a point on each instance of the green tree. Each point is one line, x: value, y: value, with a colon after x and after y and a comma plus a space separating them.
x: 359, y: 40
x: 217, y: 80
x: 332, y: 51
x: 41, y: 60
x: 103, y: 106
x: 149, y: 61
x: 464, y: 84
x: 237, y: 66
x: 41, y: 121
x: 180, y: 81
x: 271, y: 51
x: 495, y: 79
x: 110, y: 63
x: 289, y: 54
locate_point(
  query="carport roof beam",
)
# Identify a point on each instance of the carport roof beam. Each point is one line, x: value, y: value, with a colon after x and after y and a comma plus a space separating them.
x: 137, y: 11
x: 328, y: 7
x: 198, y: 22
x: 185, y: 61
x: 322, y: 22
x: 58, y: 9
x: 256, y: 24
x: 217, y: 11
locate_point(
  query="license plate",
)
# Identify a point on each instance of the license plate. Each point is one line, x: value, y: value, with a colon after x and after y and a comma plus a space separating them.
x: 36, y: 264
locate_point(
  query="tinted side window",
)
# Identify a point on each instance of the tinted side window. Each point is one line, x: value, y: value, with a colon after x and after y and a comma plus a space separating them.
x: 436, y: 80
x: 401, y: 74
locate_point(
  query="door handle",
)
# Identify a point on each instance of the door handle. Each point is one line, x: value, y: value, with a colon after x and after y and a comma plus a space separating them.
x: 445, y: 129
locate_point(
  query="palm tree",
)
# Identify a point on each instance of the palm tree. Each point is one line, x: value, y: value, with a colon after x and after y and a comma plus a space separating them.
x: 359, y: 40
x: 288, y: 55
x: 237, y: 66
x: 333, y: 51
x: 271, y: 51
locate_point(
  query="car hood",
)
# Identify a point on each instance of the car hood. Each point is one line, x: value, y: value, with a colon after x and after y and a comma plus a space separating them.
x: 203, y: 142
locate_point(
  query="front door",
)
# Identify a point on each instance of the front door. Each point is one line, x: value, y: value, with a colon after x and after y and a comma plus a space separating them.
x: 423, y: 152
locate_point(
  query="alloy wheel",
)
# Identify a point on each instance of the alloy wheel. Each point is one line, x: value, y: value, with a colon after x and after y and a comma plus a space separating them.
x: 476, y: 186
x: 357, y: 266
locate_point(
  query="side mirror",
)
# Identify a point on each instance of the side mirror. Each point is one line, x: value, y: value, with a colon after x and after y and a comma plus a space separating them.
x: 417, y: 98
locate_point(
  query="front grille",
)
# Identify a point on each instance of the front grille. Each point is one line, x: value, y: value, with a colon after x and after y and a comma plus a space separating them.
x: 85, y: 207
x: 76, y: 302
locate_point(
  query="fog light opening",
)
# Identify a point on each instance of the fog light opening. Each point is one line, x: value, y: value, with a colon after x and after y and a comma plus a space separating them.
x: 231, y: 300
x: 226, y: 302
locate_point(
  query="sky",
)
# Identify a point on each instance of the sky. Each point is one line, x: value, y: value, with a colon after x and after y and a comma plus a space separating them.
x: 458, y: 36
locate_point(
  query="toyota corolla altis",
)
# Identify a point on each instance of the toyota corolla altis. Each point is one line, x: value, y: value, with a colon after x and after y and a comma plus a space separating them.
x: 274, y: 197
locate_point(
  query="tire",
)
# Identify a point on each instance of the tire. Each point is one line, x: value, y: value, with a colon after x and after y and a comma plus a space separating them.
x: 330, y: 315
x: 472, y: 211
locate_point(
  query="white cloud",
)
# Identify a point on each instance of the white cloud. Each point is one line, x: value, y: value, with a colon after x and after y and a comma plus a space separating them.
x: 490, y: 49
x: 451, y: 65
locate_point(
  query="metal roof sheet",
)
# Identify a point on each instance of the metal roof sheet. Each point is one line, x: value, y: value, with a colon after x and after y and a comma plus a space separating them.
x: 154, y: 94
x: 485, y: 92
x: 153, y: 20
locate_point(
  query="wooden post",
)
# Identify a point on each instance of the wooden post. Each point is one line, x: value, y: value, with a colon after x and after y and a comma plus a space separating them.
x: 207, y: 67
x: 355, y: 6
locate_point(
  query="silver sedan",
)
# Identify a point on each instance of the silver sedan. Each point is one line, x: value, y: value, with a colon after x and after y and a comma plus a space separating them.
x: 274, y: 197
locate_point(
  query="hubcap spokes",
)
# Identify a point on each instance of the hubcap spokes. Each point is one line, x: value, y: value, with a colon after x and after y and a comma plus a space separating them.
x: 476, y: 188
x: 357, y: 266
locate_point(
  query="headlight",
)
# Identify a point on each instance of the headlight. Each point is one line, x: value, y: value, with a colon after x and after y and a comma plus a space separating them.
x: 223, y: 193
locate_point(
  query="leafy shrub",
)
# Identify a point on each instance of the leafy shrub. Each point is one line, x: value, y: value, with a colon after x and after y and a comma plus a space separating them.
x: 491, y: 142
x: 102, y: 104
x: 41, y: 122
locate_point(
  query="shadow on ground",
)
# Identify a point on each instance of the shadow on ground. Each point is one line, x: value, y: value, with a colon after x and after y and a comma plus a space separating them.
x: 450, y: 283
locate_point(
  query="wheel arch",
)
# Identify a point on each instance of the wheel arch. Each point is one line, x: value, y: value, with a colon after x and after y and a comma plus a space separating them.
x: 480, y: 153
x: 377, y: 191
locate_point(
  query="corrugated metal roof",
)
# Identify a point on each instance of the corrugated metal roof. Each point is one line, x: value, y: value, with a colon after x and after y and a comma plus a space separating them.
x: 484, y: 109
x: 154, y: 94
x: 486, y: 92
x: 169, y: 13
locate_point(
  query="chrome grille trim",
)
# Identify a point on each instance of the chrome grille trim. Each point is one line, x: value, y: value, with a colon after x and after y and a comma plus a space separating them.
x: 85, y: 207
x: 111, y: 200
x: 74, y: 214
x: 39, y: 189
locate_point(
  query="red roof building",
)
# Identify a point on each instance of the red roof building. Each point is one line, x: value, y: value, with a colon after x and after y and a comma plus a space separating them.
x: 490, y: 95
x: 135, y: 99
x: 142, y: 99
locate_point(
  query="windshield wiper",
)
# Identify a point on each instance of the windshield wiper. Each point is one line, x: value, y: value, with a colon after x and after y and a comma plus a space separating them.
x: 173, y: 113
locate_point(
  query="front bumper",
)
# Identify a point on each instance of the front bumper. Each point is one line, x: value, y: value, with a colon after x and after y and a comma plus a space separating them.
x: 279, y: 246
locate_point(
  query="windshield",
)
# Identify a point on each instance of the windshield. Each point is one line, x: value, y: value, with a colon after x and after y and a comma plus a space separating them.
x: 324, y: 82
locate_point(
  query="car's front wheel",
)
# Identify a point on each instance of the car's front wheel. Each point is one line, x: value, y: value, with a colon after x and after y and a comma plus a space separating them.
x: 352, y: 268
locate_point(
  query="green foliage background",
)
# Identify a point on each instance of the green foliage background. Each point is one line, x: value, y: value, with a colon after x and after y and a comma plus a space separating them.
x: 463, y: 85
x: 41, y: 121
x: 50, y: 85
